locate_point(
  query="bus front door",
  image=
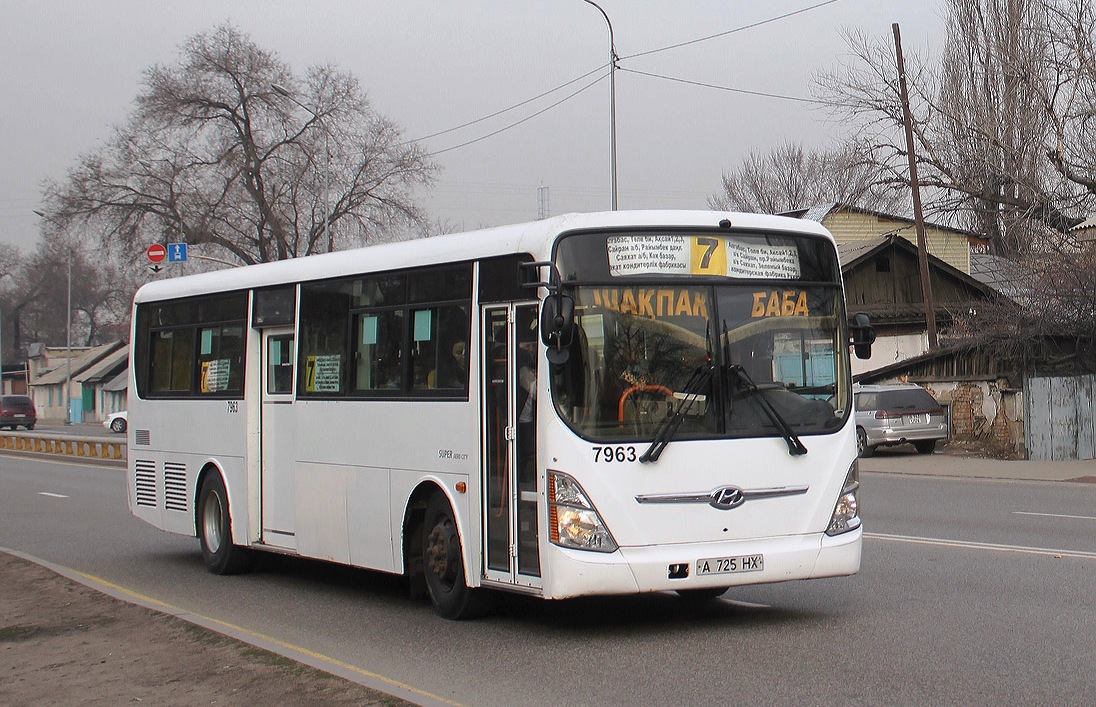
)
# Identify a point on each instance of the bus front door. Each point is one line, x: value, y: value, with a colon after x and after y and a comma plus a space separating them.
x: 511, y: 552
x: 279, y: 439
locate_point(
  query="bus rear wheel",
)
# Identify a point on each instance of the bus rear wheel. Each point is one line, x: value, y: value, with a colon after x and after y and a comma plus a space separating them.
x: 443, y: 564
x: 215, y: 530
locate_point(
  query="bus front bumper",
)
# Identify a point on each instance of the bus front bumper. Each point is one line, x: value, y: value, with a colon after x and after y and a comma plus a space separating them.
x: 635, y: 570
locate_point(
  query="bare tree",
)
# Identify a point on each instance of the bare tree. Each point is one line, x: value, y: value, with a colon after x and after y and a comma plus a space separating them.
x: 213, y: 156
x: 11, y: 261
x: 1004, y: 123
x: 101, y: 296
x: 792, y: 177
x: 1049, y: 316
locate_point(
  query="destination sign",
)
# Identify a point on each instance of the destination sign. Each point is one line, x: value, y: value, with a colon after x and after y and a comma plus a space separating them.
x: 701, y: 255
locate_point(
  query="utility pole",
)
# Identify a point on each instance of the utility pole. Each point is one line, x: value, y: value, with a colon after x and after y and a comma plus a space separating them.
x: 915, y: 185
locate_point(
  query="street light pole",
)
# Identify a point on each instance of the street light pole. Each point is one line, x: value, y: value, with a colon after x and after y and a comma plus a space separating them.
x: 612, y: 108
x: 68, y: 347
x: 282, y: 91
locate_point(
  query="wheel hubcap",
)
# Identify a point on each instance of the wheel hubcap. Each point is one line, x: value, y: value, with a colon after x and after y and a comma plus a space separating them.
x: 211, y: 523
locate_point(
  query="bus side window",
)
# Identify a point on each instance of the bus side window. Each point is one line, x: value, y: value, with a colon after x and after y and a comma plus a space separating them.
x: 440, y: 348
x: 377, y: 350
x: 322, y: 345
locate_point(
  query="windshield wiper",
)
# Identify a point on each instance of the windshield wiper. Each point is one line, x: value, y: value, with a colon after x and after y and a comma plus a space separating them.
x: 669, y: 425
x: 795, y: 445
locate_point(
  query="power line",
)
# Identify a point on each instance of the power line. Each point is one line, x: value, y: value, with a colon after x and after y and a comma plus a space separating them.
x: 632, y: 56
x: 519, y: 122
x: 724, y: 88
x: 504, y: 110
x: 730, y: 31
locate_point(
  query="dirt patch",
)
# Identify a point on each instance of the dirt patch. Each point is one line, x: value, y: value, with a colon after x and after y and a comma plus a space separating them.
x: 64, y: 643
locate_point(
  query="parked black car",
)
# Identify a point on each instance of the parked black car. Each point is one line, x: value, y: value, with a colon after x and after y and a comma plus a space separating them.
x: 17, y: 410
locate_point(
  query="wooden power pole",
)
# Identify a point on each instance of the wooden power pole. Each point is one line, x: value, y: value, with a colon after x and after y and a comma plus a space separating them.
x: 918, y: 216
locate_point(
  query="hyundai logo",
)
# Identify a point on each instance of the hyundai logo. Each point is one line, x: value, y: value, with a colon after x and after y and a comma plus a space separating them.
x: 726, y: 497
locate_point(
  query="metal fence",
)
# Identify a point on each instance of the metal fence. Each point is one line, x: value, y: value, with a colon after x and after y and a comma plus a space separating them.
x: 100, y: 448
x: 1061, y: 418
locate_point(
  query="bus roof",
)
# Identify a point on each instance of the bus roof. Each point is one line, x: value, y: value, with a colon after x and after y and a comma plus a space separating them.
x: 535, y: 238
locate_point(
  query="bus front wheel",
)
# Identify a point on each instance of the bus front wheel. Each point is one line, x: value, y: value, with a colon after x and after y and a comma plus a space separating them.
x: 215, y: 530
x: 443, y: 564
x: 702, y: 595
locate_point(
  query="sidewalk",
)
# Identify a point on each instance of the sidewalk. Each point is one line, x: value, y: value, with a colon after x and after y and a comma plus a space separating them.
x: 944, y: 462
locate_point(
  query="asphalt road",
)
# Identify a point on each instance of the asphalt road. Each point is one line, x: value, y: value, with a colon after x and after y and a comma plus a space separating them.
x: 972, y: 591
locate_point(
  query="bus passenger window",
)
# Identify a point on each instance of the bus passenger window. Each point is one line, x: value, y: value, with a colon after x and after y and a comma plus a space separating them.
x: 220, y: 359
x: 322, y: 345
x: 377, y: 350
x: 172, y: 360
x: 439, y: 354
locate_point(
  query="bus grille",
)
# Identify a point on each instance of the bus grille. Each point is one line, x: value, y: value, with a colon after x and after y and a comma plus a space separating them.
x: 142, y: 437
x: 175, y: 496
x: 144, y: 481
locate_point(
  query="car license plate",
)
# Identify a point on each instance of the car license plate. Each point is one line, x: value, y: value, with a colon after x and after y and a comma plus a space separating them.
x: 917, y: 419
x: 730, y: 565
x: 20, y: 414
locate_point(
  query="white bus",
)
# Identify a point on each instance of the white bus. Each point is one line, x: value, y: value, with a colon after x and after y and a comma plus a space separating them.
x: 608, y: 403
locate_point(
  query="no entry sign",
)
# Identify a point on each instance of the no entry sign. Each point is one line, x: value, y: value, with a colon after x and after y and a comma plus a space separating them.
x: 156, y: 252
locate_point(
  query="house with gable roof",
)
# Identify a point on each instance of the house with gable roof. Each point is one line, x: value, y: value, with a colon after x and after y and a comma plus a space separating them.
x: 51, y: 371
x: 851, y: 224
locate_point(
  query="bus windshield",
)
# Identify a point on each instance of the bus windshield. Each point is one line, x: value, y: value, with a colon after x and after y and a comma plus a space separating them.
x: 728, y: 359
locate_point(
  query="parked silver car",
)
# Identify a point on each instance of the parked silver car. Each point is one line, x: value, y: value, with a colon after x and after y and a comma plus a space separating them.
x: 898, y: 414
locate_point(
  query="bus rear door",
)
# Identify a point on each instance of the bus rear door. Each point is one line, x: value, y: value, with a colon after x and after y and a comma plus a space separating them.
x: 279, y: 439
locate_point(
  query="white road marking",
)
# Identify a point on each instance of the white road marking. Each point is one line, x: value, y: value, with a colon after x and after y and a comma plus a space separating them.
x: 1081, y: 554
x: 51, y: 495
x: 1052, y: 515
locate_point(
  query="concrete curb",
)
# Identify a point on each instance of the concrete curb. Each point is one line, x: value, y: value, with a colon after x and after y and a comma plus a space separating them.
x: 940, y: 464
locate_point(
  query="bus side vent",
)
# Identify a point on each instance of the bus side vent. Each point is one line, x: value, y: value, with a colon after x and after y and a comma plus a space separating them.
x: 175, y: 498
x: 142, y: 437
x: 144, y: 482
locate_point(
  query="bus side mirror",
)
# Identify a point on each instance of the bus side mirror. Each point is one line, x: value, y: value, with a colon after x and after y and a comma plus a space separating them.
x: 557, y: 326
x: 861, y: 335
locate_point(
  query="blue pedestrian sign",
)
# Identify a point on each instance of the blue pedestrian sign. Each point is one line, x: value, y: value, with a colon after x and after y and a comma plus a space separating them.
x: 176, y: 252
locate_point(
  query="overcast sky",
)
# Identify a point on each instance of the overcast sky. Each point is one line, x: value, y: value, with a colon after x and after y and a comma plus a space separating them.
x: 69, y: 71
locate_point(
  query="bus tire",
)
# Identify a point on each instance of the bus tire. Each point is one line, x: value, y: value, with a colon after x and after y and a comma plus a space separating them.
x: 702, y: 595
x: 443, y: 564
x: 215, y: 530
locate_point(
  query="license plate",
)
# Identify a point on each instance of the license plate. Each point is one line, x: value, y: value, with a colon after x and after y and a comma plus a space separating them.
x: 917, y: 419
x: 730, y: 565
x: 20, y: 414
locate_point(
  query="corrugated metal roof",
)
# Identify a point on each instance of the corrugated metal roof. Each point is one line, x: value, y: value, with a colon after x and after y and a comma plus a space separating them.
x: 1001, y: 274
x: 79, y: 364
x: 118, y: 383
x: 105, y: 368
x: 1088, y: 223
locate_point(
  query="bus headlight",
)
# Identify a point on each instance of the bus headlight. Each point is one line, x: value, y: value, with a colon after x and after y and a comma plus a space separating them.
x: 572, y: 520
x: 846, y: 514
